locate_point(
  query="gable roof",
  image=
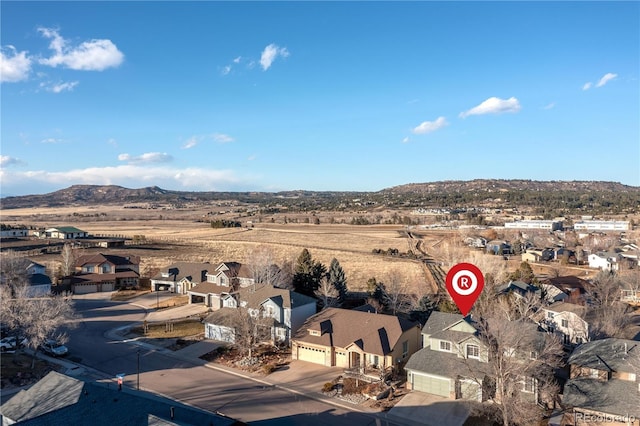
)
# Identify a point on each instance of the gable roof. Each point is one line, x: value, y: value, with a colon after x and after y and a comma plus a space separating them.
x: 211, y: 288
x: 100, y: 258
x: 619, y: 397
x: 67, y: 229
x: 608, y: 354
x: 567, y: 307
x: 446, y: 364
x: 193, y: 271
x: 372, y: 333
x: 256, y: 295
x: 439, y: 321
x: 60, y: 399
x: 235, y: 270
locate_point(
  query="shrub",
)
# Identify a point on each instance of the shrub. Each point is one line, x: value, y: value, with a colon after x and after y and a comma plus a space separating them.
x: 268, y: 369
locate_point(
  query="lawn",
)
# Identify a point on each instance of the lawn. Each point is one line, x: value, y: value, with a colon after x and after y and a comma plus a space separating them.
x: 170, y: 329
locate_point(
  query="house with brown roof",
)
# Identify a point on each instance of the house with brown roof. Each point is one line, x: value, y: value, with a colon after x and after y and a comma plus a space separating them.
x: 219, y: 287
x: 288, y: 309
x: 360, y: 339
x: 104, y: 272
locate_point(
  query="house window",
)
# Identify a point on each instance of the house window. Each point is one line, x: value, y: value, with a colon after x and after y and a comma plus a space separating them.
x: 445, y: 346
x: 565, y: 323
x: 314, y: 332
x: 473, y: 351
x: 529, y: 384
x: 89, y: 268
x: 405, y: 348
x: 549, y: 314
x: 593, y: 373
x: 106, y: 269
x: 533, y: 355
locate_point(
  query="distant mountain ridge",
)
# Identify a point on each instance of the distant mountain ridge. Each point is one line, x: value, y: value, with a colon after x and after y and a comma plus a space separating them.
x: 474, y: 189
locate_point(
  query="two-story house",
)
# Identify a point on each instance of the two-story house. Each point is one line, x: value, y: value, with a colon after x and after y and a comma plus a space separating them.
x: 288, y: 310
x: 453, y: 360
x: 181, y: 277
x: 220, y: 286
x: 37, y: 282
x: 566, y: 320
x: 604, y: 382
x: 603, y: 261
x: 104, y: 272
x: 361, y: 339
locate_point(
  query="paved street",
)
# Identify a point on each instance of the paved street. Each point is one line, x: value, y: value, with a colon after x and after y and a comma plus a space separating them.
x: 287, y: 397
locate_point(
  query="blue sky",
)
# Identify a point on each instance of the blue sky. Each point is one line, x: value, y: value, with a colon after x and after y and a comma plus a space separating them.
x: 345, y: 96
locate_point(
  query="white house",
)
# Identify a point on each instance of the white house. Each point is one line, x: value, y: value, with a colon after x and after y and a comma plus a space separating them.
x: 602, y: 225
x: 8, y: 231
x: 603, y: 261
x: 288, y: 309
x: 565, y: 320
x: 65, y: 233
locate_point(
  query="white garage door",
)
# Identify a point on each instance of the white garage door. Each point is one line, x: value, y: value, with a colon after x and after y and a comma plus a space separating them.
x: 311, y: 354
x: 84, y: 289
x: 220, y: 333
x: 434, y: 385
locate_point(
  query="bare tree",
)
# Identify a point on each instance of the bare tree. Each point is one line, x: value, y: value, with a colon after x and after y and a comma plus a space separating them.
x: 68, y: 260
x: 327, y: 293
x: 264, y: 269
x: 250, y: 328
x: 35, y: 318
x: 520, y: 365
x: 607, y: 314
x: 396, y: 297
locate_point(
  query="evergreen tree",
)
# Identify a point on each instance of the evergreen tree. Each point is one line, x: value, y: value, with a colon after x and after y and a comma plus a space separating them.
x: 338, y: 279
x: 307, y: 274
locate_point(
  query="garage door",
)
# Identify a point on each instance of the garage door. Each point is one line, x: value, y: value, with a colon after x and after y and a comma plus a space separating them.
x: 471, y: 390
x: 434, y: 385
x: 84, y: 289
x: 311, y: 355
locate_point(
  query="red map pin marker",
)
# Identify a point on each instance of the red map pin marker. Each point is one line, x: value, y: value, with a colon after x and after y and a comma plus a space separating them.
x: 464, y: 284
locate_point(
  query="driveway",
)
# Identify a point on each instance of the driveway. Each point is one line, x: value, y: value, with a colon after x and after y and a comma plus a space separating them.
x: 418, y: 408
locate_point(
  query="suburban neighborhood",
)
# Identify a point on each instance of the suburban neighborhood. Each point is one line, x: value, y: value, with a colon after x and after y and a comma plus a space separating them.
x: 553, y: 348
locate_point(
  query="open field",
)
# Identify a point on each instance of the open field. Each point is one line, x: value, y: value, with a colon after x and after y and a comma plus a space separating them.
x: 184, y: 236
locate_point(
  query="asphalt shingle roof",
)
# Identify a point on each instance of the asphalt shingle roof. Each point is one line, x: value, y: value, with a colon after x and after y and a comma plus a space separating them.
x: 438, y: 321
x: 373, y: 333
x: 193, y: 271
x: 64, y: 400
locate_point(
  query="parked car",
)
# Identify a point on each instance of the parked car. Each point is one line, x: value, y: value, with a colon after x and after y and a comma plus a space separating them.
x: 54, y: 348
x: 11, y: 343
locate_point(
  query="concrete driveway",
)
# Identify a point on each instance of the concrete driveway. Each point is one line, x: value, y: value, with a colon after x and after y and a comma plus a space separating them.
x: 418, y: 408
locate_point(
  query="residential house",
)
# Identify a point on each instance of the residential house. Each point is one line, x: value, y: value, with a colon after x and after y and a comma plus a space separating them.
x: 498, y: 247
x: 104, y: 272
x: 603, y: 261
x: 604, y: 382
x: 551, y: 294
x: 565, y: 255
x: 537, y: 255
x: 220, y: 286
x: 65, y: 233
x: 38, y: 283
x: 11, y: 231
x: 519, y: 289
x: 574, y: 287
x: 288, y: 309
x: 181, y: 277
x: 60, y: 399
x: 453, y: 360
x: 566, y: 320
x: 476, y: 242
x: 360, y: 339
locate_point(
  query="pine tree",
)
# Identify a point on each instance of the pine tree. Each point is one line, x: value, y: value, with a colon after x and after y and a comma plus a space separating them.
x: 307, y: 274
x: 338, y: 279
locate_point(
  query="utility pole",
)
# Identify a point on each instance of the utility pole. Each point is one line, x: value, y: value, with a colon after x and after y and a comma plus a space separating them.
x: 138, y: 369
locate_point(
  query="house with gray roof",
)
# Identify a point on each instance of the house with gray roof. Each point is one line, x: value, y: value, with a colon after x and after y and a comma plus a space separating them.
x: 180, y: 277
x: 565, y: 320
x: 58, y: 399
x: 604, y: 380
x: 220, y: 285
x: 356, y: 339
x: 288, y: 309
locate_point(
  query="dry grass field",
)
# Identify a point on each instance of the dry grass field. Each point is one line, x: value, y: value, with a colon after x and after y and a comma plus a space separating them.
x: 181, y: 235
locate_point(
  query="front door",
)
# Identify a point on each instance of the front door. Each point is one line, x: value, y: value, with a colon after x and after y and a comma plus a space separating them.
x: 355, y: 359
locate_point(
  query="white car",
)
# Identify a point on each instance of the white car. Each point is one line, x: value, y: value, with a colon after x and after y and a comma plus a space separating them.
x: 10, y: 344
x: 54, y: 348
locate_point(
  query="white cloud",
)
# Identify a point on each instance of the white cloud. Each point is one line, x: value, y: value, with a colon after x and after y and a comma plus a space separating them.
x: 51, y: 140
x: 62, y: 87
x: 14, y: 66
x: 493, y: 105
x: 549, y: 106
x: 216, y: 137
x: 406, y: 139
x: 606, y: 78
x: 146, y: 158
x: 226, y: 70
x: 222, y: 138
x: 430, y: 126
x: 237, y: 60
x: 6, y: 160
x: 93, y: 55
x: 270, y: 53
x: 587, y: 86
x: 130, y: 176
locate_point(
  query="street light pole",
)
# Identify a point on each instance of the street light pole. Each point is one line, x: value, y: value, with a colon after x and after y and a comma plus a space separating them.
x: 138, y: 369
